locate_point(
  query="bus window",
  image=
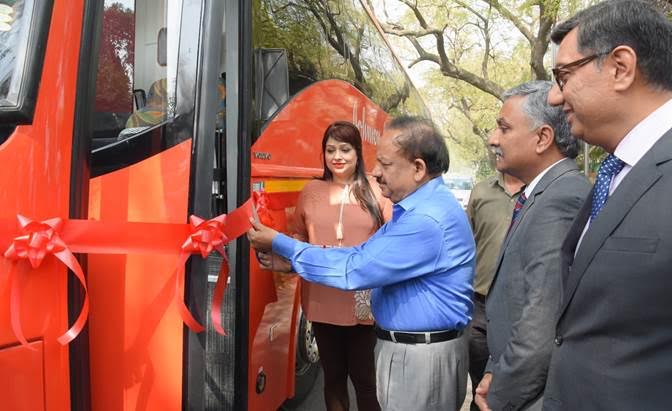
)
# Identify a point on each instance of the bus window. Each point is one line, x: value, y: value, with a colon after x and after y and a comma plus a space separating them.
x: 145, y: 84
x: 271, y: 81
x: 23, y: 27
x: 137, y: 57
x: 13, y: 39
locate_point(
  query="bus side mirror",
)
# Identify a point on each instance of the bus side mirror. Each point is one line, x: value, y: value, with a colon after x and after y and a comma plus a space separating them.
x: 161, y: 47
x: 271, y: 82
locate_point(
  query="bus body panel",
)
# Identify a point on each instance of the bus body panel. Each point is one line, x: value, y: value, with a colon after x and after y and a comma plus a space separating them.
x: 35, y: 181
x: 293, y: 138
x: 135, y: 327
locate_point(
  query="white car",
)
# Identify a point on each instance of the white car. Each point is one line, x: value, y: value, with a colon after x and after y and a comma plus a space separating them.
x: 461, y: 188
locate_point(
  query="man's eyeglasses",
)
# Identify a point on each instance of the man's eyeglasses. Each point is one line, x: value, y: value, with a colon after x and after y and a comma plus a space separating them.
x: 562, y: 72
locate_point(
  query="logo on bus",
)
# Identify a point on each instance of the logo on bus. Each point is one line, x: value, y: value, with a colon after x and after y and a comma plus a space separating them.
x: 369, y: 133
x: 262, y: 155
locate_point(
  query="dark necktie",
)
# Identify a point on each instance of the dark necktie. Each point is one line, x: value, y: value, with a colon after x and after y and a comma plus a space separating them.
x: 610, y: 166
x: 520, y: 202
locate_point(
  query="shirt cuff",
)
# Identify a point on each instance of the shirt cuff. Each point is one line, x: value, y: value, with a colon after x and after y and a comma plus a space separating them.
x: 284, y: 245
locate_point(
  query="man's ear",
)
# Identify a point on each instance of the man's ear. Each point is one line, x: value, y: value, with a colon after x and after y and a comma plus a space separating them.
x: 623, y: 62
x: 546, y: 138
x: 420, y: 168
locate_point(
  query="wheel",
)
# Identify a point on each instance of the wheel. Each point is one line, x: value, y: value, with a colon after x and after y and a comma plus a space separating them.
x: 307, y: 363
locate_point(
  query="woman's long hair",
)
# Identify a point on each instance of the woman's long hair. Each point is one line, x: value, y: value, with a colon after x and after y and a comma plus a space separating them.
x: 345, y: 132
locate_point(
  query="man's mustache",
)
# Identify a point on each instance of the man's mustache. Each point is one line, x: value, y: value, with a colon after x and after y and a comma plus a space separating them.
x: 496, y: 151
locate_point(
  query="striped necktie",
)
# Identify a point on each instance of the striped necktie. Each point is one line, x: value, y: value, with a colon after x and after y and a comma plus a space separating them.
x: 520, y: 202
x: 611, y: 166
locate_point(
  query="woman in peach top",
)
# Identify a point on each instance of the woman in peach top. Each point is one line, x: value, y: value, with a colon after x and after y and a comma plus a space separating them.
x: 341, y: 209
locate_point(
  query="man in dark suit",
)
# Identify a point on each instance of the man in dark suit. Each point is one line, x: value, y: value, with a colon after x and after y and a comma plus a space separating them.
x: 532, y: 142
x: 613, y: 343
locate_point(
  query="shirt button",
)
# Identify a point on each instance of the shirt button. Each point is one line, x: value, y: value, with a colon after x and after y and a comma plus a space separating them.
x: 558, y: 340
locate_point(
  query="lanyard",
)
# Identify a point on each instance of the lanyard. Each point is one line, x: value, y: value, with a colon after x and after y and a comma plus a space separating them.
x: 339, y: 227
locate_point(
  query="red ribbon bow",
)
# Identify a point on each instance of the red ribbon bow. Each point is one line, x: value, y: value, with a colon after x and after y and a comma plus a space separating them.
x: 37, y: 240
x: 205, y: 237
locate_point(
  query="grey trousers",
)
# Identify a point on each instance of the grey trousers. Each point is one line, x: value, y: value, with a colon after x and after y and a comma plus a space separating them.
x: 422, y: 377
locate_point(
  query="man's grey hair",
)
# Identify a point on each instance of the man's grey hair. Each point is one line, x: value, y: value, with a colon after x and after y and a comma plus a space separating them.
x: 539, y: 112
x: 637, y: 24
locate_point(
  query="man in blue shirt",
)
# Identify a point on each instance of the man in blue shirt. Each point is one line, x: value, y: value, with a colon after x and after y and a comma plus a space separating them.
x: 420, y: 266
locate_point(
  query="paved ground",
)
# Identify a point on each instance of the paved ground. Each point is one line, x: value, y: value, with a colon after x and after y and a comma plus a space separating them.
x: 315, y: 402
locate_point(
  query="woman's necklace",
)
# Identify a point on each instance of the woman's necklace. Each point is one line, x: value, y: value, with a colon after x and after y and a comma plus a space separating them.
x: 339, y: 227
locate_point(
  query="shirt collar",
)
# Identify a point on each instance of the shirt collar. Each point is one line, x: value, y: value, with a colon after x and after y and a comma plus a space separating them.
x: 529, y: 189
x: 418, y: 196
x: 644, y: 135
x: 499, y: 180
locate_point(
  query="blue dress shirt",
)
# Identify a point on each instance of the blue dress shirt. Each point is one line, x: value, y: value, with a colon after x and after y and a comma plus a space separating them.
x: 420, y: 265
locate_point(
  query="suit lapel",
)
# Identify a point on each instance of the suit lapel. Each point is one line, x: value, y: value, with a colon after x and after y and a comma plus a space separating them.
x: 642, y: 176
x: 554, y: 173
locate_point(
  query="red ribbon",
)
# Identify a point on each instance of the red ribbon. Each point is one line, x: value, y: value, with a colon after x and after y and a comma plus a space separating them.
x: 205, y: 237
x: 39, y: 239
x: 262, y: 203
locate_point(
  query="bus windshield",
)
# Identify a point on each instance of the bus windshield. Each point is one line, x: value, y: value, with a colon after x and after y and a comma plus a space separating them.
x: 13, y: 45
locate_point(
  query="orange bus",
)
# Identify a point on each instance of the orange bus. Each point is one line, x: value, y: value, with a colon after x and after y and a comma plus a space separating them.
x: 146, y: 112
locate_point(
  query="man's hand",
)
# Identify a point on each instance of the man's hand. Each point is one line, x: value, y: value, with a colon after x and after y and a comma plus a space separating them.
x: 260, y: 236
x: 482, y: 392
x: 273, y: 262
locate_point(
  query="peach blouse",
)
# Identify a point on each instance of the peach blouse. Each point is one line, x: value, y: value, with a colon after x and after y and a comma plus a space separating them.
x: 317, y: 216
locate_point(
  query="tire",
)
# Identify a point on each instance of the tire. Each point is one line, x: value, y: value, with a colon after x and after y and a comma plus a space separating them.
x: 307, y: 364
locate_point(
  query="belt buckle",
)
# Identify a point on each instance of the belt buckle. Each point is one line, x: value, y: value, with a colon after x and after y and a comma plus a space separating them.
x: 428, y: 337
x: 392, y: 336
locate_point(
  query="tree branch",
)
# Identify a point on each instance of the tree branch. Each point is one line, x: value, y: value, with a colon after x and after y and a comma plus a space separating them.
x: 447, y: 68
x: 517, y: 22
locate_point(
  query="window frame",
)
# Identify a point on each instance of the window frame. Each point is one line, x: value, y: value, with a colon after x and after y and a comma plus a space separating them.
x: 39, y: 14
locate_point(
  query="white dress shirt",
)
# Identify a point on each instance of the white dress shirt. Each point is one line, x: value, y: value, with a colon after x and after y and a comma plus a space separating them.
x: 530, y: 187
x: 636, y: 144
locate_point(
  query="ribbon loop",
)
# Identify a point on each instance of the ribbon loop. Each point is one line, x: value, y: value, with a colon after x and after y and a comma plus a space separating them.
x: 205, y: 237
x: 37, y: 240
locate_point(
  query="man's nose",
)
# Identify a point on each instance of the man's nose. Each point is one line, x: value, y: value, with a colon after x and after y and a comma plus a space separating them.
x: 376, y: 171
x: 555, y: 97
x: 493, y: 139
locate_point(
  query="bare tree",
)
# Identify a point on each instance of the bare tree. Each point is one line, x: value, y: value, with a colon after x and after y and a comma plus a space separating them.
x: 465, y: 41
x: 536, y: 32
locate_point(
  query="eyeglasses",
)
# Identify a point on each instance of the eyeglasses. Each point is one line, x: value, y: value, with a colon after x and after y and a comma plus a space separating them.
x: 560, y: 73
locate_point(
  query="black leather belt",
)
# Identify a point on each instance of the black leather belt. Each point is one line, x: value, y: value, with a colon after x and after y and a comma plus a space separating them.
x: 417, y: 338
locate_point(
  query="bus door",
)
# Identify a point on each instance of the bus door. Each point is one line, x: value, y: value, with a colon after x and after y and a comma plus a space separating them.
x: 39, y: 53
x: 158, y: 110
